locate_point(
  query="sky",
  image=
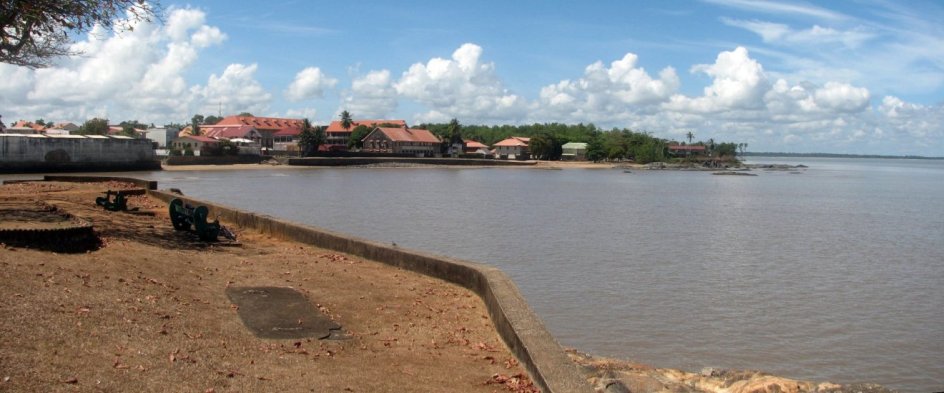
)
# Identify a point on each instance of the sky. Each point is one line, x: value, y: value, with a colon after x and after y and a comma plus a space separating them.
x: 857, y: 77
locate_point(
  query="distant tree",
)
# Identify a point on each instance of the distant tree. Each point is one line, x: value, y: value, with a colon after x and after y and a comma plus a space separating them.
x: 94, y: 126
x: 128, y: 130
x: 357, y: 136
x: 245, y: 114
x: 595, y: 151
x: 310, y: 138
x: 455, y: 131
x: 211, y: 120
x: 40, y: 122
x: 33, y: 33
x: 726, y: 149
x: 195, y: 123
x: 346, y: 121
x: 690, y: 136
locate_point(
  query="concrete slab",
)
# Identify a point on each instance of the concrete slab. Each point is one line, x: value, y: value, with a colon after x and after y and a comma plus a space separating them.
x: 280, y: 313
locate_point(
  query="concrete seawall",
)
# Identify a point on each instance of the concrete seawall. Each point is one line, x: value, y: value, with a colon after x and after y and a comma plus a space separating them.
x: 516, y: 323
x: 39, y: 153
x: 349, y: 161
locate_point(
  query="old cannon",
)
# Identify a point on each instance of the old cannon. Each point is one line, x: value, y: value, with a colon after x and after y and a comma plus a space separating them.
x: 183, y: 217
x: 118, y: 203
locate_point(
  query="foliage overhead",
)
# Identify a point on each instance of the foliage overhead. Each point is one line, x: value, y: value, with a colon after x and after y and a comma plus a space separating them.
x: 33, y: 33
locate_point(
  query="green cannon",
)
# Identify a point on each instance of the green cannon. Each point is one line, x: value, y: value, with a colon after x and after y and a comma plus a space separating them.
x: 118, y: 203
x: 183, y: 217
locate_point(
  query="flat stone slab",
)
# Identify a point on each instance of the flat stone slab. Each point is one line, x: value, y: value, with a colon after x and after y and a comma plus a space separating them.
x: 280, y: 313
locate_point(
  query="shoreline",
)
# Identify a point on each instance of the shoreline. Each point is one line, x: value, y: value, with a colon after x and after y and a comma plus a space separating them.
x: 537, y: 165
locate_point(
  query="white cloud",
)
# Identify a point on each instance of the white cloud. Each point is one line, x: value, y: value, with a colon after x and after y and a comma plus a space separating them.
x: 134, y: 74
x: 236, y: 90
x: 606, y: 93
x: 309, y: 82
x: 304, y: 113
x: 841, y: 97
x: 738, y: 83
x: 778, y: 33
x: 370, y: 96
x: 780, y: 8
x: 462, y: 87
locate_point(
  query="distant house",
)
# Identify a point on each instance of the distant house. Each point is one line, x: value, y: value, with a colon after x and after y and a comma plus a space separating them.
x: 473, y: 147
x: 164, y: 137
x: 337, y: 137
x: 195, y: 143
x: 574, y: 151
x: 71, y: 127
x: 513, y: 148
x: 25, y: 127
x: 686, y: 150
x: 402, y: 140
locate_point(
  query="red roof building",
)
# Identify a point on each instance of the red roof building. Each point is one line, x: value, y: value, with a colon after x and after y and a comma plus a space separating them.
x: 231, y: 132
x: 402, y: 140
x: 686, y: 150
x: 271, y: 129
x: 194, y: 143
x: 337, y: 137
x: 473, y: 146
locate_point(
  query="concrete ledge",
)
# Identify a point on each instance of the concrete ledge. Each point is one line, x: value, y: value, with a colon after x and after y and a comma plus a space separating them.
x: 348, y: 161
x: 214, y: 160
x: 88, y: 166
x: 516, y: 323
x: 146, y: 184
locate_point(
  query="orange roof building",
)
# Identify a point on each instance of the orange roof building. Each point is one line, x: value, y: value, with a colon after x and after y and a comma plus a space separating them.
x: 337, y: 137
x: 402, y: 141
x: 515, y: 147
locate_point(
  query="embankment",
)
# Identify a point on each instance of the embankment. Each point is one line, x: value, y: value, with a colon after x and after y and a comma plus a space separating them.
x: 73, y: 153
x: 357, y: 161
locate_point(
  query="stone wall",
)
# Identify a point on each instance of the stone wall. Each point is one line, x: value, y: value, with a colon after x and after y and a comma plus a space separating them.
x: 319, y: 161
x: 214, y: 160
x: 36, y: 153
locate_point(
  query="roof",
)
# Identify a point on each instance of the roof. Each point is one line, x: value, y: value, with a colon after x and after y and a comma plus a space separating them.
x: 688, y: 148
x: 470, y: 144
x: 335, y: 126
x: 200, y: 138
x: 228, y: 132
x: 27, y: 124
x: 574, y: 145
x: 281, y: 126
x: 407, y: 135
x: 514, y: 141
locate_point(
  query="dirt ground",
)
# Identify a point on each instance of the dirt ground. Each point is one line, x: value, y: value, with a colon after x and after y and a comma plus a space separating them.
x: 148, y: 312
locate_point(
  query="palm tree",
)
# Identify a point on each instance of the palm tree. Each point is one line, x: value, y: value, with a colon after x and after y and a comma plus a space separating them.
x: 346, y: 121
x: 310, y: 138
x: 689, y: 136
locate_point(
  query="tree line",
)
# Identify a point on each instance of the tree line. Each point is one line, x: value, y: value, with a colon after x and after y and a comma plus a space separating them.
x: 547, y: 139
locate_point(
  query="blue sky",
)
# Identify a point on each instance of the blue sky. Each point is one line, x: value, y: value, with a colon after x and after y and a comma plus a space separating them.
x: 849, y: 77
